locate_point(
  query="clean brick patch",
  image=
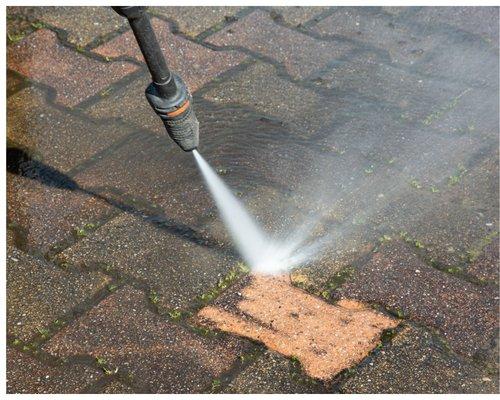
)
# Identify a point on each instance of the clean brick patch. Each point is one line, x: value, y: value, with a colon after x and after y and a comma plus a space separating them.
x: 325, y: 338
x: 196, y: 64
x: 74, y: 76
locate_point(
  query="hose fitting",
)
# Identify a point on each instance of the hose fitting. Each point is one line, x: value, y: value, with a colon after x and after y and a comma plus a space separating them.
x: 167, y: 94
x: 176, y: 113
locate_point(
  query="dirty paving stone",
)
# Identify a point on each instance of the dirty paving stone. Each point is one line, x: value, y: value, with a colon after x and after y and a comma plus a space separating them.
x: 60, y: 139
x: 172, y: 265
x: 254, y: 30
x: 415, y: 362
x: 405, y: 95
x: 194, y: 20
x: 82, y: 24
x: 296, y: 15
x: 463, y: 19
x: 161, y: 356
x: 382, y: 33
x: 196, y: 64
x: 446, y: 226
x: 117, y: 387
x: 48, y: 210
x: 38, y: 293
x: 465, y: 314
x: 298, y: 109
x: 33, y: 57
x: 28, y: 375
x: 272, y: 373
x: 325, y: 338
x: 485, y: 266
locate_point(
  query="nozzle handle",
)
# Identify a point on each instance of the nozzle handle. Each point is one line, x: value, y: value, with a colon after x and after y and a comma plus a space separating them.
x: 150, y: 49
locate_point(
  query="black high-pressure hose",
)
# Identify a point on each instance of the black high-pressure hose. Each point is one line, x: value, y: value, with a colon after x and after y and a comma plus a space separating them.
x: 167, y: 94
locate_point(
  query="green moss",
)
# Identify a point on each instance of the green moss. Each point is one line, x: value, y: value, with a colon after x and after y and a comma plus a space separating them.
x: 340, y: 277
x: 153, y: 297
x: 175, y: 315
x: 223, y: 283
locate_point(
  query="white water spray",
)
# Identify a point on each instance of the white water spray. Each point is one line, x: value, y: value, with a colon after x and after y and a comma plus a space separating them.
x: 260, y: 252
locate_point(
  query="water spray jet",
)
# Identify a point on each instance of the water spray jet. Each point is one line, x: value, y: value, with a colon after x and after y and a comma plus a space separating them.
x: 169, y: 97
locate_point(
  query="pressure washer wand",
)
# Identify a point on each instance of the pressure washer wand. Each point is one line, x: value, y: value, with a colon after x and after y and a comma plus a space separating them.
x: 167, y: 94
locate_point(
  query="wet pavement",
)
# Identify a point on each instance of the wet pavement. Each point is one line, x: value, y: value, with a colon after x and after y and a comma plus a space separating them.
x: 381, y: 122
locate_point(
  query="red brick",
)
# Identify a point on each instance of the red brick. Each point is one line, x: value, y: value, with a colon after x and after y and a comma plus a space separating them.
x: 465, y: 314
x: 28, y: 375
x: 196, y: 64
x: 163, y: 357
x: 42, y: 58
x: 325, y: 338
x: 300, y: 54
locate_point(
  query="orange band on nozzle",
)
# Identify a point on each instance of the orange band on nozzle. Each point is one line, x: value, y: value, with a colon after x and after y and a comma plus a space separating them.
x: 179, y: 110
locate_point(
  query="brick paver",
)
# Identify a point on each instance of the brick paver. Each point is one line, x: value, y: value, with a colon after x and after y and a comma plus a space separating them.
x: 75, y: 77
x: 177, y: 269
x: 299, y: 109
x: 465, y: 314
x: 254, y: 31
x: 296, y: 15
x: 47, y: 210
x: 272, y: 373
x: 82, y: 24
x: 404, y: 47
x: 194, y: 20
x: 60, y: 139
x: 463, y: 19
x: 28, y: 375
x: 415, y: 363
x: 161, y: 356
x: 196, y: 64
x: 116, y: 387
x: 485, y: 265
x: 294, y: 323
x: 38, y: 293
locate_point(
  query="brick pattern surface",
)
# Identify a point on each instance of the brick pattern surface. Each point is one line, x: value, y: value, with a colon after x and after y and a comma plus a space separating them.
x: 379, y: 121
x: 160, y: 355
x: 415, y: 363
x: 254, y: 31
x: 74, y: 77
x: 82, y: 24
x: 38, y: 293
x: 61, y: 140
x: 48, y: 210
x: 464, y: 313
x: 28, y: 375
x: 294, y: 323
x: 196, y: 64
x: 403, y: 46
x: 177, y: 269
x: 194, y: 20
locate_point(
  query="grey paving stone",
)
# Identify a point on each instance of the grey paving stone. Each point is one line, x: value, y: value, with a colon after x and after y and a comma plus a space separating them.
x: 38, y: 293
x: 415, y: 362
x: 194, y: 20
x: 28, y: 375
x: 169, y: 263
x: 465, y: 314
x: 162, y: 357
x: 272, y: 373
